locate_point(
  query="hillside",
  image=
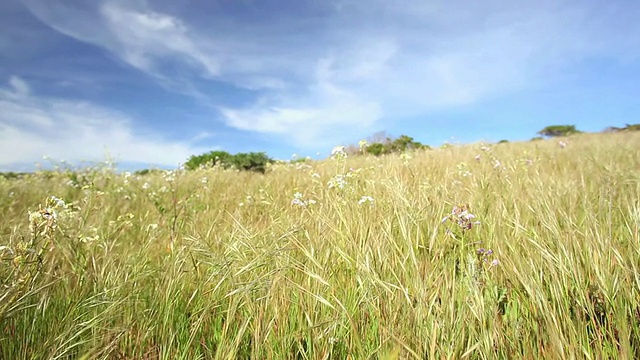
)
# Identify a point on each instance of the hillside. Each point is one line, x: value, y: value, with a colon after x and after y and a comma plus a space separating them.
x: 514, y: 250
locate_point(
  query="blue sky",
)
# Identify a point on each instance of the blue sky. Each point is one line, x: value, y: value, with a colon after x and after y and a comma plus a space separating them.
x: 152, y: 82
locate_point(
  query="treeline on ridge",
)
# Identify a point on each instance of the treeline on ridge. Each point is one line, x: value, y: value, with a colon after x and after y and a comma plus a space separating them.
x: 379, y: 144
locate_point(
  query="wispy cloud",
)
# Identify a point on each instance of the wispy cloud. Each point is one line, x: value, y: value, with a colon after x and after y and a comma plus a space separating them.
x: 144, y: 39
x: 20, y: 87
x: 75, y: 132
x: 306, y: 126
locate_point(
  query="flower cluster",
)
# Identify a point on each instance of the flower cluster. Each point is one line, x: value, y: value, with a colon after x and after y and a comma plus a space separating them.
x: 463, y: 170
x: 461, y: 216
x: 298, y: 200
x: 338, y: 153
x: 46, y: 218
x: 90, y: 236
x: 170, y: 176
x: 366, y: 200
x: 485, y: 256
x: 58, y: 202
x: 363, y: 144
x: 339, y: 181
x: 495, y: 162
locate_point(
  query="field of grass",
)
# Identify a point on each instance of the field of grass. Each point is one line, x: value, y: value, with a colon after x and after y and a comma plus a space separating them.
x: 356, y: 258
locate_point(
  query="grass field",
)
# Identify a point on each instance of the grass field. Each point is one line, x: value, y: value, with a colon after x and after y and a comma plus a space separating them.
x: 356, y: 258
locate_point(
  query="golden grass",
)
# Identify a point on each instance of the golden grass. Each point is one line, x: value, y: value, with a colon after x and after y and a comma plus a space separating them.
x: 221, y: 264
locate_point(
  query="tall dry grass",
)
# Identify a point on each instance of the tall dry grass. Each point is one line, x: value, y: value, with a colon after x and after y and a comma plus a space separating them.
x: 346, y: 258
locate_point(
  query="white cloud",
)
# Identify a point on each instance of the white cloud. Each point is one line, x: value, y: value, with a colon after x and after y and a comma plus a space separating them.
x: 306, y: 126
x: 145, y: 38
x: 20, y: 87
x: 32, y: 127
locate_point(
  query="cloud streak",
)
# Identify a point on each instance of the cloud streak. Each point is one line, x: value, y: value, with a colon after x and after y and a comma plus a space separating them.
x: 145, y: 38
x: 75, y: 132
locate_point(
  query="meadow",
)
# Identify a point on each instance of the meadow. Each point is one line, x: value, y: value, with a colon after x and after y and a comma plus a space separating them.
x: 481, y: 251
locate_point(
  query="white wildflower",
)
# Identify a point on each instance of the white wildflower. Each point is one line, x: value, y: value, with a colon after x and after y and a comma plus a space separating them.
x: 363, y: 144
x: 170, y: 176
x: 405, y: 156
x: 338, y: 152
x: 58, y: 202
x: 298, y: 200
x: 463, y: 170
x: 337, y: 181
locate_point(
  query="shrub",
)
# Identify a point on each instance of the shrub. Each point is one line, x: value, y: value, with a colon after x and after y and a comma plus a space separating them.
x: 627, y: 127
x: 558, y: 130
x: 632, y: 127
x: 299, y: 160
x: 390, y: 145
x: 376, y: 149
x: 254, y: 161
x: 144, y: 172
x: 404, y: 143
x: 208, y: 159
x: 12, y: 175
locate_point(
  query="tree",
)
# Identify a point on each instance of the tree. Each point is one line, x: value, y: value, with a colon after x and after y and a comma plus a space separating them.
x: 386, y: 144
x: 253, y: 161
x: 632, y: 127
x: 376, y: 149
x: 405, y: 142
x: 627, y: 127
x: 558, y: 130
x: 208, y: 159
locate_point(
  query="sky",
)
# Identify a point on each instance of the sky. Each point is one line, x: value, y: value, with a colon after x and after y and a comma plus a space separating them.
x: 150, y: 83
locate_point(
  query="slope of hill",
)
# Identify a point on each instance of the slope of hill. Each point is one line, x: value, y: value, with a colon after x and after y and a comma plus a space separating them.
x: 516, y: 250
